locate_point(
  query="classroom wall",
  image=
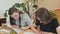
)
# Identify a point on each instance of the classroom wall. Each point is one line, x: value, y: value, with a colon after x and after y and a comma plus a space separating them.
x: 6, y: 4
x: 50, y: 4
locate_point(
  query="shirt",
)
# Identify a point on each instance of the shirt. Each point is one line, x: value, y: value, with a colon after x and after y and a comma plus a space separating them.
x: 50, y: 27
x: 25, y: 20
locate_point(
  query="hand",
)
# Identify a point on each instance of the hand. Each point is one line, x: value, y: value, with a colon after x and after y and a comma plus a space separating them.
x: 39, y: 33
x: 23, y: 28
x: 15, y: 26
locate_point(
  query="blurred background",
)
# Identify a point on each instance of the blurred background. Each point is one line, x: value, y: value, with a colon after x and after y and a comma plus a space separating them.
x: 30, y: 6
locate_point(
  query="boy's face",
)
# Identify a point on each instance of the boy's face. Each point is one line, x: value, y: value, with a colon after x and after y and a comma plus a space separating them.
x: 15, y: 15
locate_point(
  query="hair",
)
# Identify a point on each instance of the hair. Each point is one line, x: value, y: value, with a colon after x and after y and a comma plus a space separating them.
x: 43, y: 14
x: 12, y: 10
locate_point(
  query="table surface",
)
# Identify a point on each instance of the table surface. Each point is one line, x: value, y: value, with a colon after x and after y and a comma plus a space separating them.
x: 29, y: 31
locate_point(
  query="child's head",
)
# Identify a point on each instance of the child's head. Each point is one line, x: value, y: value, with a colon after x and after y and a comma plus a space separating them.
x: 43, y: 15
x: 14, y: 13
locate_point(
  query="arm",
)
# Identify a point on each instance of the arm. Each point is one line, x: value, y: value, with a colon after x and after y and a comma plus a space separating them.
x: 15, y: 26
x: 58, y: 30
x: 47, y: 32
x: 27, y: 22
x: 33, y: 27
x: 25, y: 28
x: 39, y: 31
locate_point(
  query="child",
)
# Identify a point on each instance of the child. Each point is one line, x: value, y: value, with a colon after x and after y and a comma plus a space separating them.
x: 47, y: 23
x: 19, y: 19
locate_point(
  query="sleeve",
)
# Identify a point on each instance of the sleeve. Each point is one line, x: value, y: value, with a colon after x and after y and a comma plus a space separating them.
x: 28, y: 20
x: 55, y: 22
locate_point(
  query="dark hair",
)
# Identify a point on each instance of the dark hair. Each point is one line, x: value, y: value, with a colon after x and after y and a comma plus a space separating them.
x: 12, y: 10
x: 43, y: 14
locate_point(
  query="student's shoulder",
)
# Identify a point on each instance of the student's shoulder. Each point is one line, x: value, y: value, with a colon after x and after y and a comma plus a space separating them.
x: 26, y: 14
x: 55, y: 22
x: 54, y: 19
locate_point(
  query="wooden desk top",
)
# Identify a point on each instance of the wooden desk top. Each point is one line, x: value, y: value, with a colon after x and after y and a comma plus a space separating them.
x: 27, y: 32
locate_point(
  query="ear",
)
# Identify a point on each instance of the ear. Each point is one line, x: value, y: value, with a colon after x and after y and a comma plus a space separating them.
x: 58, y: 30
